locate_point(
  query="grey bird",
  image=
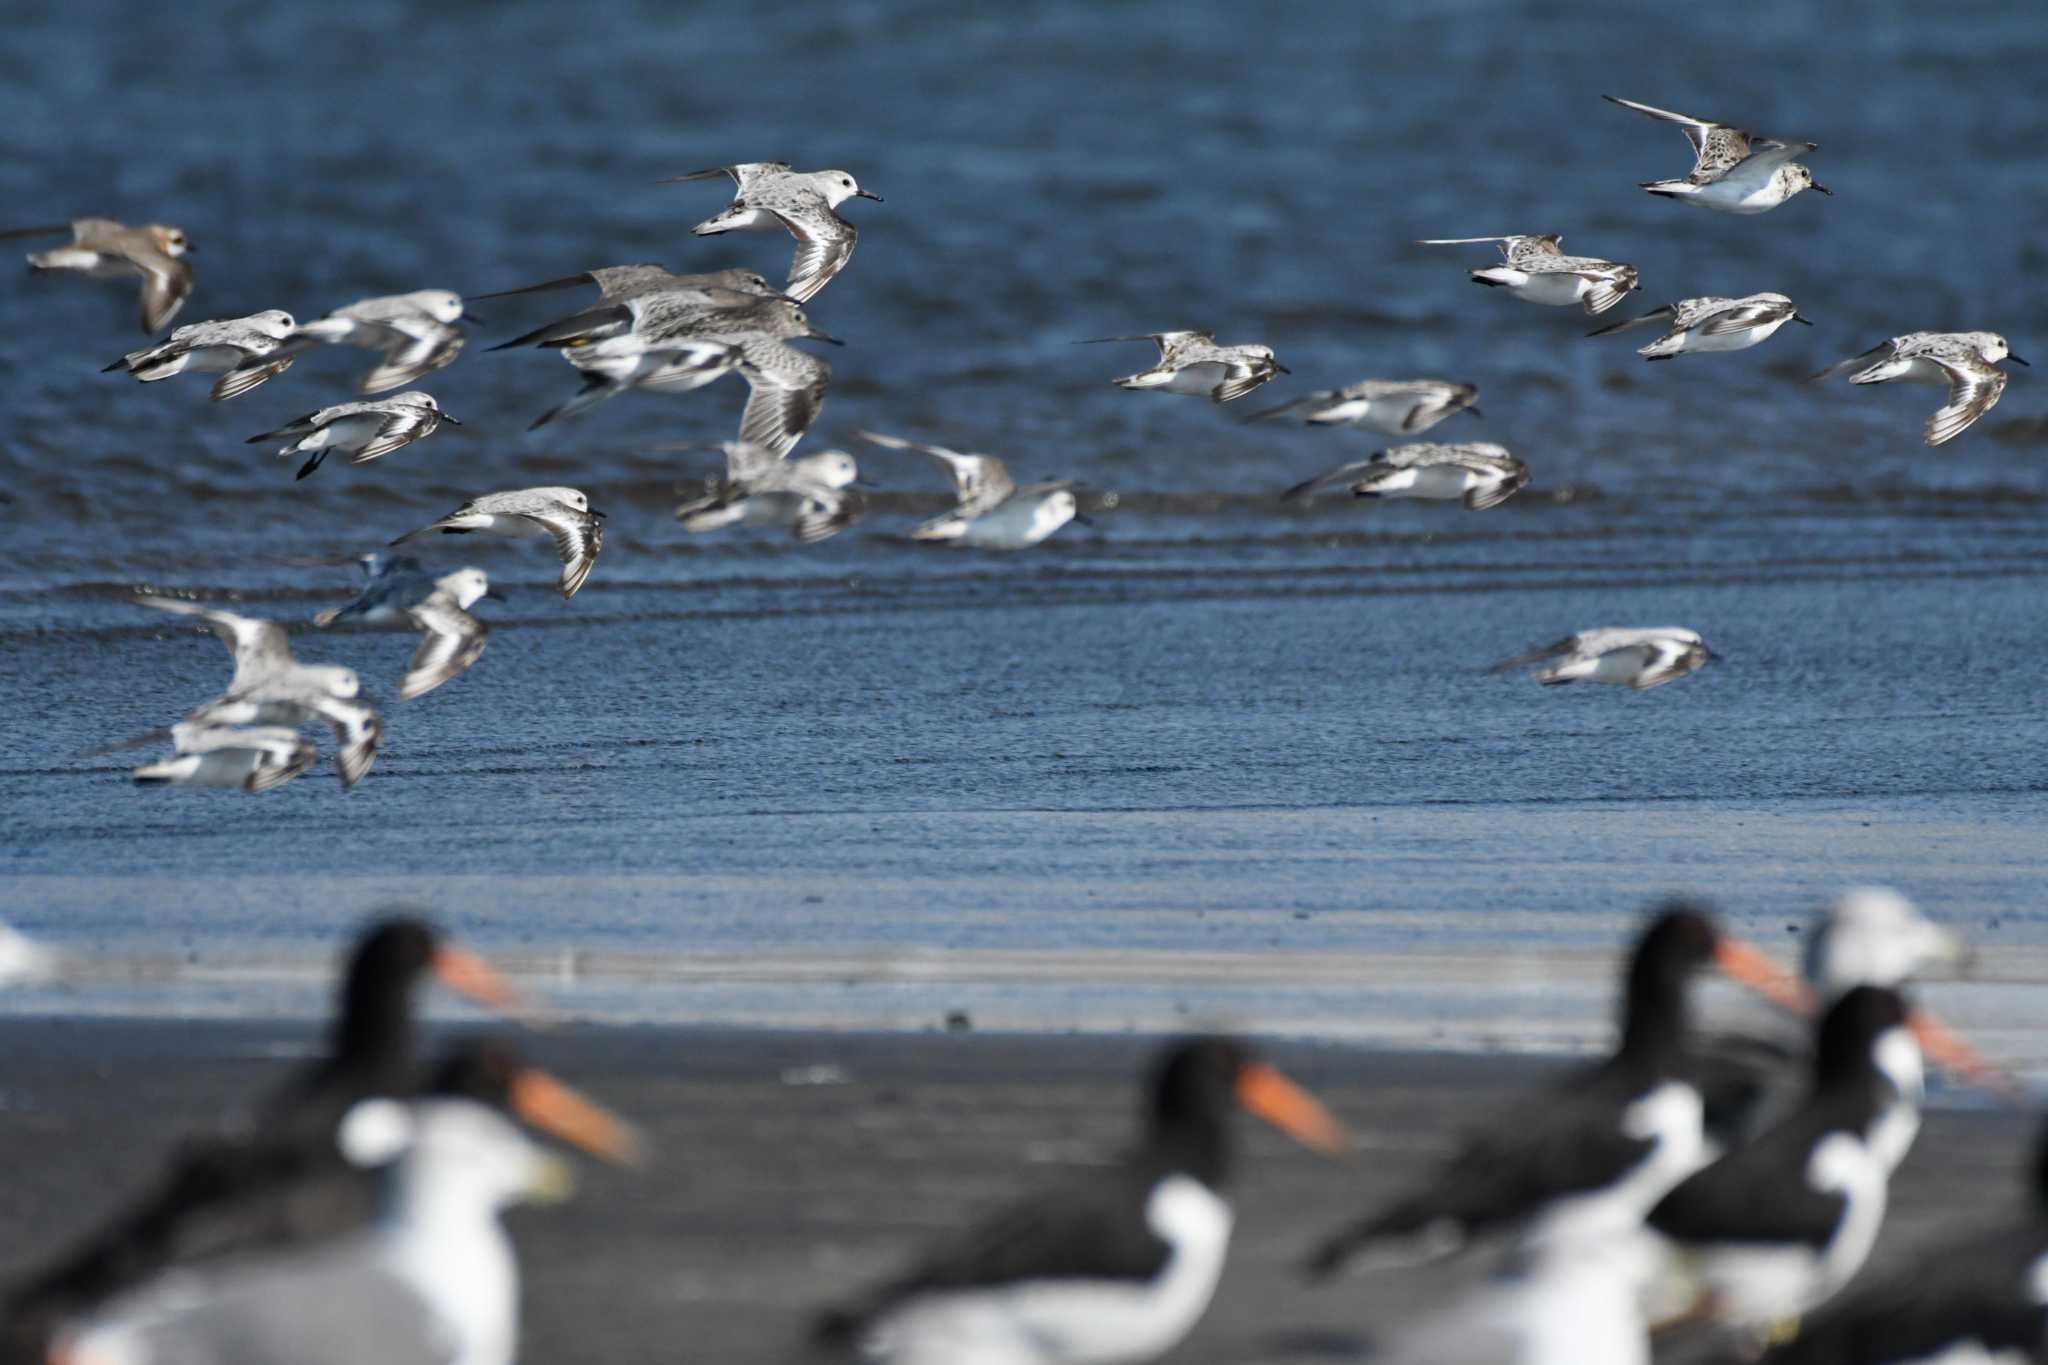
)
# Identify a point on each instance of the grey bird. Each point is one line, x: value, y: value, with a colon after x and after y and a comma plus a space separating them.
x: 562, y: 514
x: 103, y: 249
x: 1191, y: 362
x: 1479, y: 472
x: 814, y: 496
x: 453, y: 638
x: 1394, y: 407
x: 416, y: 334
x: 237, y: 349
x: 770, y: 195
x: 621, y: 288
x: 362, y: 431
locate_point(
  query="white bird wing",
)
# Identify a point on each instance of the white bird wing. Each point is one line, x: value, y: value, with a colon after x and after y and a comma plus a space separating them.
x: 578, y: 536
x: 166, y: 284
x: 1972, y: 389
x: 1716, y: 146
x: 260, y: 647
x: 412, y: 354
x: 400, y: 427
x: 824, y: 244
x: 454, y: 640
x: 983, y: 481
x: 1740, y: 317
x: 787, y: 388
x: 1343, y: 474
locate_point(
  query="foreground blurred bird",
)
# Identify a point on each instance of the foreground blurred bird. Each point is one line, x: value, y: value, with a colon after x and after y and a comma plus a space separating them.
x: 1965, y: 361
x: 562, y: 514
x: 1393, y: 407
x: 253, y: 758
x: 994, y: 513
x: 1638, y: 657
x: 416, y: 334
x: 237, y: 349
x: 1583, y: 1161
x: 1974, y: 1298
x: 1711, y: 324
x: 244, y: 1188
x: 362, y: 431
x: 392, y: 584
x: 1773, y: 1229
x: 102, y: 249
x: 1536, y: 269
x: 1112, y: 1269
x: 769, y: 195
x: 1191, y: 362
x: 1479, y: 472
x: 813, y: 496
x: 1734, y: 171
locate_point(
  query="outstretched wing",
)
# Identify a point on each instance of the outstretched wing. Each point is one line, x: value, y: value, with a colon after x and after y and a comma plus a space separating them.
x: 1972, y: 389
x: 1716, y: 146
x: 824, y: 244
x: 578, y: 537
x: 983, y: 480
x: 1340, y: 476
x: 399, y: 428
x: 454, y: 640
x: 1555, y: 649
x: 259, y: 647
x: 1876, y: 355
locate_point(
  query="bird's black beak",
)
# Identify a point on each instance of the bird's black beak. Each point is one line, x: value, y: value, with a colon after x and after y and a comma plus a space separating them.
x: 1714, y: 658
x: 815, y: 335
x: 1804, y: 322
x: 864, y: 194
x: 1815, y: 184
x: 468, y: 316
x: 495, y: 595
x: 2016, y: 360
x: 1475, y: 412
x: 595, y: 513
x: 450, y: 420
x: 1281, y: 369
x: 1083, y: 519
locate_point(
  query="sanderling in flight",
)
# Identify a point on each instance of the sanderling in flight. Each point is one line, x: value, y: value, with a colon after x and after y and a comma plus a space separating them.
x: 252, y: 758
x: 1965, y: 361
x: 271, y: 687
x: 1711, y: 324
x: 234, y: 348
x: 622, y: 290
x: 1394, y: 407
x: 564, y: 514
x: 770, y: 196
x: 454, y: 639
x: 1537, y: 269
x: 103, y: 249
x: 1480, y: 472
x: 362, y: 431
x: 994, y: 513
x: 416, y: 333
x: 1639, y: 658
x: 392, y: 585
x: 1192, y: 363
x: 1734, y: 170
x: 813, y: 496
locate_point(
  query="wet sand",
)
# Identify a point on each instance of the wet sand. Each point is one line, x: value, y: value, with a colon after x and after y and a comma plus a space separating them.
x: 790, y: 1169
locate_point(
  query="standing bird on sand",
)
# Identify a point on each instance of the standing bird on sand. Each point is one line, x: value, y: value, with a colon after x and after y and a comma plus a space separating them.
x: 1638, y: 657
x: 1734, y: 171
x: 770, y: 195
x: 237, y: 349
x: 1536, y: 269
x: 1580, y: 1163
x: 1113, y: 1269
x: 1481, y: 473
x: 563, y: 514
x: 1392, y: 407
x: 363, y: 431
x: 1192, y: 363
x: 1711, y: 324
x: 993, y: 512
x: 1965, y: 361
x: 102, y: 249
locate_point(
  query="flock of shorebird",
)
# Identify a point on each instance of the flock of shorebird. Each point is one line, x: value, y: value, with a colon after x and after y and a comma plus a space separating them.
x: 654, y: 330
x: 1726, y: 1187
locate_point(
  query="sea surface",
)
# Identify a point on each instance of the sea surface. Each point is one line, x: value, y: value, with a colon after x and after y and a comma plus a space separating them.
x: 1211, y: 759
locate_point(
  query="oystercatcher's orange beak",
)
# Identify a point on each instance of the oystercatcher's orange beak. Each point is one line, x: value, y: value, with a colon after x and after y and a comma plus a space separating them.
x: 1750, y: 965
x: 1947, y: 1049
x: 467, y: 974
x: 1280, y: 1102
x: 555, y: 1109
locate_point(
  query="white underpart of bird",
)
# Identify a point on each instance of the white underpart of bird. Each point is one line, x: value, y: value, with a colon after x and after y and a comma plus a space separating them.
x: 1192, y: 363
x: 1711, y: 324
x: 1734, y: 170
x: 251, y: 758
x: 1393, y: 407
x: 769, y: 195
x: 235, y: 348
x: 1964, y: 361
x: 1637, y: 657
x: 813, y: 496
x: 363, y: 431
x: 415, y: 333
x: 434, y: 1278
x: 1536, y: 269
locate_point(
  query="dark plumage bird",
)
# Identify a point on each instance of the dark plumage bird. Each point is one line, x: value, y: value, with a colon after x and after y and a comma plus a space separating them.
x: 1775, y: 1228
x: 1587, y: 1158
x: 255, y: 1186
x: 1116, y: 1267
